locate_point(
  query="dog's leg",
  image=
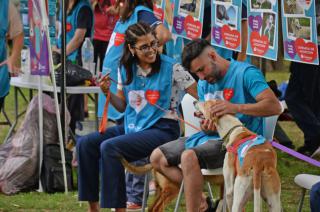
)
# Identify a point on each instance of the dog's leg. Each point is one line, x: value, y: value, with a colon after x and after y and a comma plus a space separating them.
x: 271, y: 189
x: 242, y: 188
x: 228, y: 174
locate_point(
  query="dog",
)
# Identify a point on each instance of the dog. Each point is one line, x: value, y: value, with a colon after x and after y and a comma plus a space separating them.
x: 296, y: 27
x: 258, y: 173
x: 191, y: 7
x: 166, y: 190
x: 222, y: 13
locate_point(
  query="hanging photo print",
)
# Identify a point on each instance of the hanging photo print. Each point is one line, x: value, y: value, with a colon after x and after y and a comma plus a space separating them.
x: 263, y: 28
x: 158, y: 9
x: 300, y: 31
x: 226, y: 24
x: 188, y: 18
x: 39, y: 56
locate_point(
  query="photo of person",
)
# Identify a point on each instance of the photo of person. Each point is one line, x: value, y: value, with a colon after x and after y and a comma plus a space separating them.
x: 256, y: 5
x: 226, y: 14
x: 293, y: 7
x: 268, y: 27
x: 158, y: 3
x: 190, y: 7
x: 299, y: 27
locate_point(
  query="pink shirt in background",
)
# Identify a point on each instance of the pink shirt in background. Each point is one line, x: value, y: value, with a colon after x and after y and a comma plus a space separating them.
x: 103, y: 22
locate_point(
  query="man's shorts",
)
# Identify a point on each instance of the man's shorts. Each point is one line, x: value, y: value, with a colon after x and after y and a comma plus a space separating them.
x: 210, y: 154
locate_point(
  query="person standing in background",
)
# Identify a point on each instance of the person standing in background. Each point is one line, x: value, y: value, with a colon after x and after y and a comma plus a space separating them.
x: 79, y: 26
x: 10, y: 28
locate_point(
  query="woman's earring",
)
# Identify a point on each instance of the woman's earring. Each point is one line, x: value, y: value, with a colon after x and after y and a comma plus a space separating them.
x: 132, y: 54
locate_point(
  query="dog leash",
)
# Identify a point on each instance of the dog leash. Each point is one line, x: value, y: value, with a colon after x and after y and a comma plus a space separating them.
x: 295, y: 154
x: 104, y: 121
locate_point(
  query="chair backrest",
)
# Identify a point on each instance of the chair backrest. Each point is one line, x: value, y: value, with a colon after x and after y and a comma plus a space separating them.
x: 270, y: 126
x: 188, y: 114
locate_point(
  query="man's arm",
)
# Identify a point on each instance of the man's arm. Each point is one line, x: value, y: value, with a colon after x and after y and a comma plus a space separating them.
x: 76, y: 41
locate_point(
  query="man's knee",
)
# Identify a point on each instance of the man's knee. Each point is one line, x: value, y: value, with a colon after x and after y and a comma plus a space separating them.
x: 157, y: 159
x: 189, y: 159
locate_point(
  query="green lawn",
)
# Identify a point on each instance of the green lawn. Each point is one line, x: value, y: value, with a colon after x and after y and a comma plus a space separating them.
x: 288, y: 168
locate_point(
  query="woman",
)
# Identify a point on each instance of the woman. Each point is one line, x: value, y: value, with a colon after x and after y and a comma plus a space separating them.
x: 147, y: 82
x: 79, y: 25
x: 130, y: 12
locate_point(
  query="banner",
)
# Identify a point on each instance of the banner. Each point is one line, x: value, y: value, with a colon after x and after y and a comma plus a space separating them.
x: 263, y: 28
x: 299, y: 31
x: 158, y: 9
x: 226, y: 24
x: 39, y: 56
x: 188, y: 18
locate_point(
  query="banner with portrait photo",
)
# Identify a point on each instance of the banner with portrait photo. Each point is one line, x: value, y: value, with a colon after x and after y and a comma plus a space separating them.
x: 299, y: 31
x: 226, y: 24
x: 158, y: 9
x: 39, y: 55
x: 188, y: 18
x: 263, y: 28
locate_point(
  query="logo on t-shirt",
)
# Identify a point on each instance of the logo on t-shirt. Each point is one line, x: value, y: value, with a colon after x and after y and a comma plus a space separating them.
x: 228, y: 93
x: 68, y: 27
x: 119, y: 39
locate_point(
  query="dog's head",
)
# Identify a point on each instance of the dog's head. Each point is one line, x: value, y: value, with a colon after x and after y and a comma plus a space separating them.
x: 224, y: 124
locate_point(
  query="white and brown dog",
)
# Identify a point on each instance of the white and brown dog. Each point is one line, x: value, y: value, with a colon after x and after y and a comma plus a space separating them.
x: 256, y: 173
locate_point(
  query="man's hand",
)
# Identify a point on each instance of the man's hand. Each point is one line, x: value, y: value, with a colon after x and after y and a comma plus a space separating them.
x: 207, y: 126
x: 13, y: 69
x: 112, y: 10
x: 224, y: 107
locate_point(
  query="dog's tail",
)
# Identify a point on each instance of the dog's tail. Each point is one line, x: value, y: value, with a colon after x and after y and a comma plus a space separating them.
x: 135, y: 169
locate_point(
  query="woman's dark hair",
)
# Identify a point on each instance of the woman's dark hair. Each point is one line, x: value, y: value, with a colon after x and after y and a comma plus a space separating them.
x: 132, y: 4
x: 192, y: 50
x: 128, y: 60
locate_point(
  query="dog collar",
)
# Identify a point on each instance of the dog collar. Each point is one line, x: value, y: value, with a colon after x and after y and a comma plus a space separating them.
x: 226, y: 137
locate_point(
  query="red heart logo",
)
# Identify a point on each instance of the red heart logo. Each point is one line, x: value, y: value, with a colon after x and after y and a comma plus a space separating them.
x: 152, y: 96
x: 68, y: 27
x: 158, y: 12
x: 230, y: 37
x: 259, y: 44
x: 119, y: 39
x: 193, y: 27
x: 307, y: 52
x: 228, y: 93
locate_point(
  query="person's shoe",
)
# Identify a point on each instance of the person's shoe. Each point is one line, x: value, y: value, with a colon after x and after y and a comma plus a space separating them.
x: 131, y: 206
x: 211, y: 207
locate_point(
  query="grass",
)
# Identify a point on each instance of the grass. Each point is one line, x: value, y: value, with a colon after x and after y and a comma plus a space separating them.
x: 288, y: 168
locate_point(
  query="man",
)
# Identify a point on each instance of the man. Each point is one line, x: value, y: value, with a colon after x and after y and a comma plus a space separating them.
x: 302, y: 98
x: 11, y: 28
x: 315, y: 197
x: 246, y: 95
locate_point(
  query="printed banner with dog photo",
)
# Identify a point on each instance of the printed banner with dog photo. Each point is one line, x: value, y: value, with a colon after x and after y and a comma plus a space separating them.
x: 226, y: 24
x: 263, y: 28
x: 299, y: 31
x: 188, y: 18
x: 158, y: 9
x: 39, y: 55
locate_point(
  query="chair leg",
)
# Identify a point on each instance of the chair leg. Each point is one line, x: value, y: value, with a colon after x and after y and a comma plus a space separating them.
x: 176, y: 208
x: 301, y: 199
x: 145, y: 192
x: 210, y: 191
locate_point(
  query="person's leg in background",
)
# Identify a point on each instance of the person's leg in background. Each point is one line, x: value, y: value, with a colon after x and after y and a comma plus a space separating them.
x: 315, y: 198
x: 75, y: 103
x: 302, y: 98
x: 134, y: 187
x: 1, y: 103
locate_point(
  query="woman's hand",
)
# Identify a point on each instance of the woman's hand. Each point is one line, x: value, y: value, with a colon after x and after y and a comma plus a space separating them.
x: 112, y: 10
x: 105, y: 84
x: 207, y: 126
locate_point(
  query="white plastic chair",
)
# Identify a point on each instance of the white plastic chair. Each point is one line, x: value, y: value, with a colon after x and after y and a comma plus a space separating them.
x: 305, y: 181
x: 188, y: 113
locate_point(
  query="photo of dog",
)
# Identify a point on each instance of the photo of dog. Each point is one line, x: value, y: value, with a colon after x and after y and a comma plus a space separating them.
x: 261, y: 5
x: 268, y: 27
x: 257, y: 175
x: 226, y: 14
x: 293, y: 7
x: 299, y: 27
x: 190, y: 7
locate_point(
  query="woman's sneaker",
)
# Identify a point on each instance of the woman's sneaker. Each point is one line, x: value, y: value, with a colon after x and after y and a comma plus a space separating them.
x: 131, y: 206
